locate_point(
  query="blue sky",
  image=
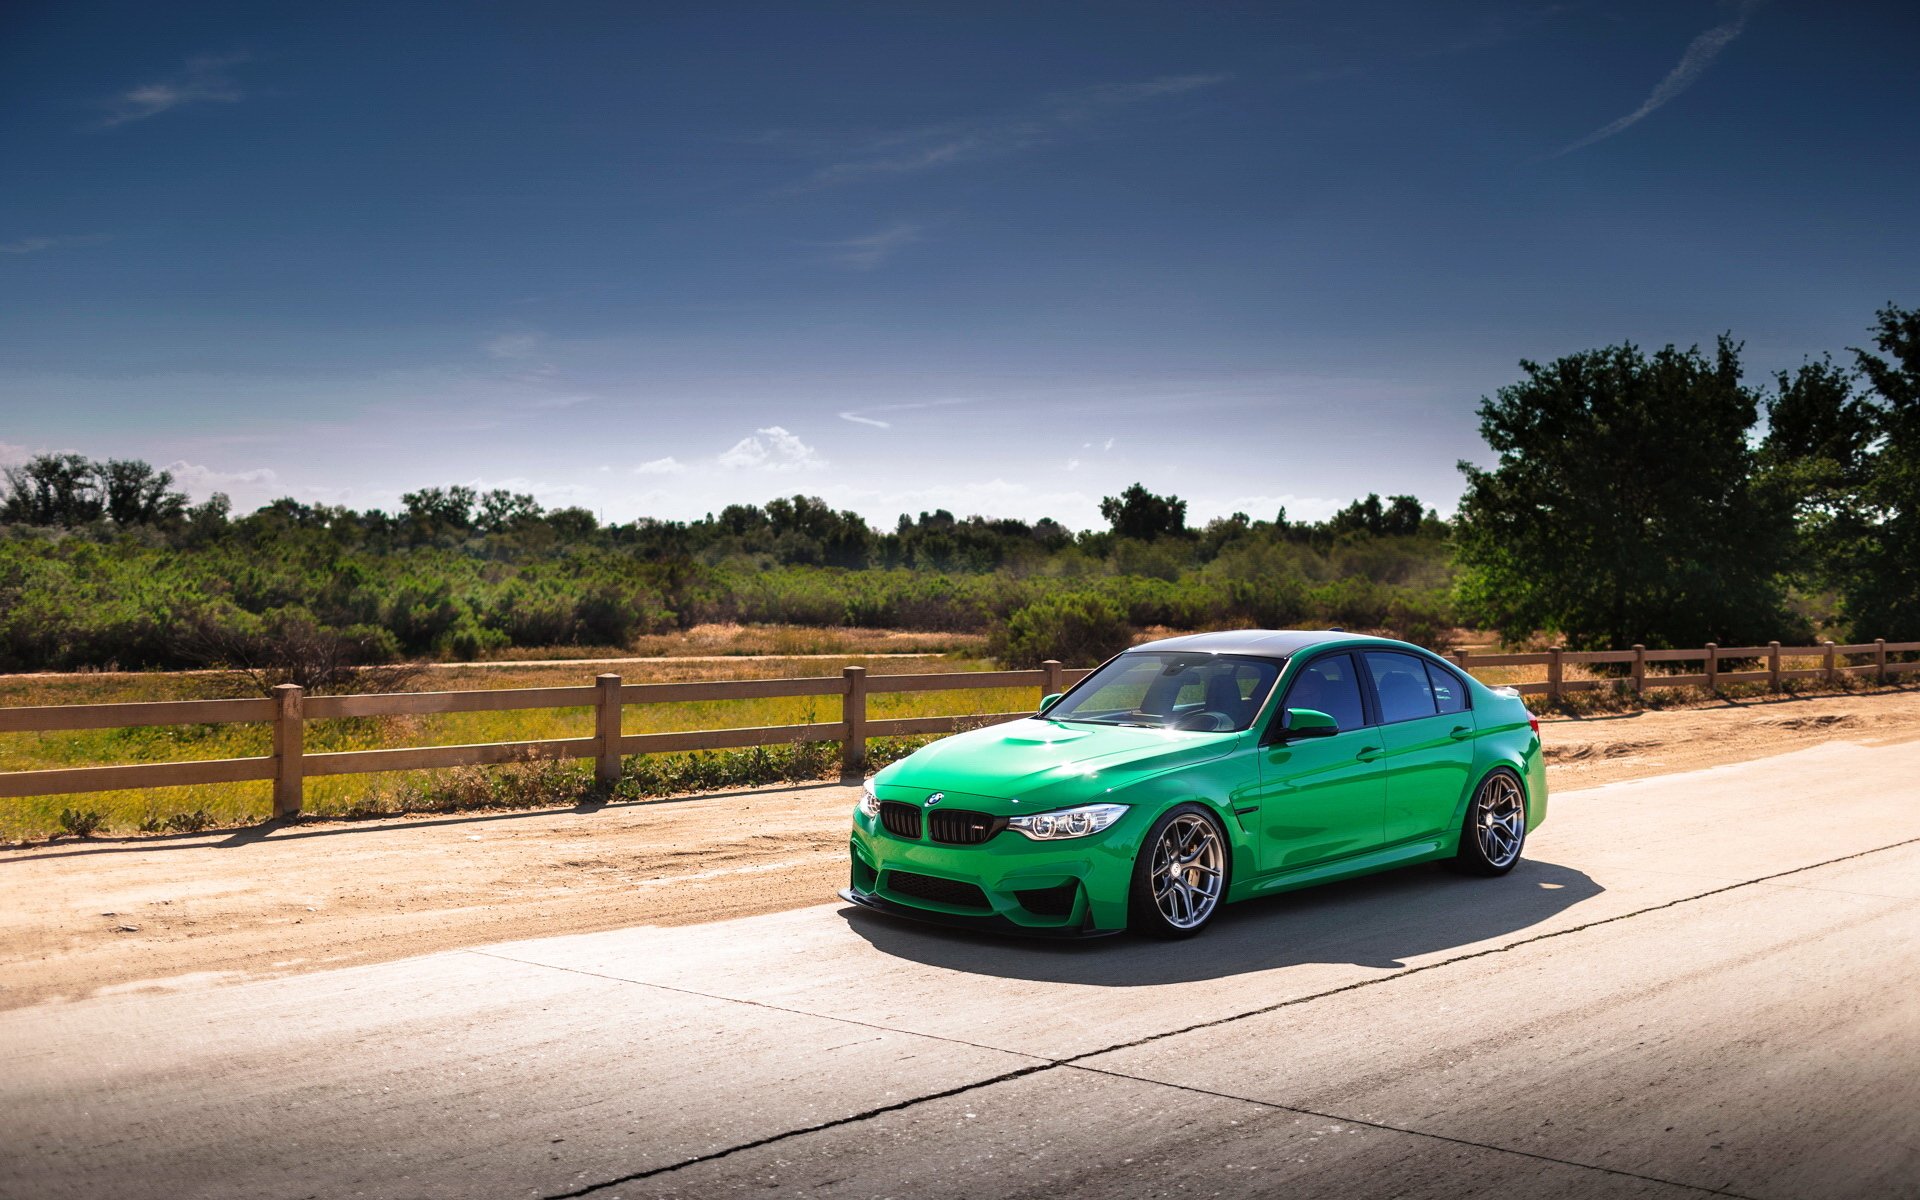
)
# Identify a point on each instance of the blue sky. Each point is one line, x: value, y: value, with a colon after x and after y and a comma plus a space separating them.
x: 654, y: 258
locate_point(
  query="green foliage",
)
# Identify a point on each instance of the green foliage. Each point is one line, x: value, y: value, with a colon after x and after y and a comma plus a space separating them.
x: 1880, y: 580
x: 1626, y: 506
x: 1079, y: 630
x: 1138, y: 513
x: 81, y: 822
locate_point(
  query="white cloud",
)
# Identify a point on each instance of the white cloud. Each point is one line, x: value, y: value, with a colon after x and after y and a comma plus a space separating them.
x: 12, y: 455
x: 202, y: 80
x: 1073, y: 464
x: 661, y: 466
x: 962, y: 141
x: 868, y: 251
x: 771, y: 449
x: 1700, y: 55
x: 249, y: 487
x: 35, y: 245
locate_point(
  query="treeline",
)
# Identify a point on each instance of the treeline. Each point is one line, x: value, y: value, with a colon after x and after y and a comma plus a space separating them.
x: 457, y: 574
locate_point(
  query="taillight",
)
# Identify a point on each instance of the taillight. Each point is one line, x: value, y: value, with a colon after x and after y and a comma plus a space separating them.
x: 1533, y: 723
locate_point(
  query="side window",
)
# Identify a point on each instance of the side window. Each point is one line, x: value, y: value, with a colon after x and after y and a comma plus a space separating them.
x: 1449, y: 694
x: 1400, y: 681
x: 1329, y: 685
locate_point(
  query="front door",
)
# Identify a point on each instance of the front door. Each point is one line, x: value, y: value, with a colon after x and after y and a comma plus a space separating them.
x: 1322, y: 798
x: 1427, y: 735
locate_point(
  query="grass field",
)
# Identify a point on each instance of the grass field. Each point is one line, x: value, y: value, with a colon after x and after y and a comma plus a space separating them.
x: 238, y: 803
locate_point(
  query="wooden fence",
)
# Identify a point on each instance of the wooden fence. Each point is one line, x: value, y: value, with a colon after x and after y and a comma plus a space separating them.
x: 1714, y: 661
x: 290, y: 709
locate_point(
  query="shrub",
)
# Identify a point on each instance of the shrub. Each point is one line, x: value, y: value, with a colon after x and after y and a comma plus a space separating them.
x: 1079, y: 630
x: 189, y: 822
x: 81, y: 822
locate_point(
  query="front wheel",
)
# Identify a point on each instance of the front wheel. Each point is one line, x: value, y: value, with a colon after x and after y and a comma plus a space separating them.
x: 1495, y: 828
x: 1180, y: 875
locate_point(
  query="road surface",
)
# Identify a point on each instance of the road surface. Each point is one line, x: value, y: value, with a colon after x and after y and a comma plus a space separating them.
x: 1705, y: 983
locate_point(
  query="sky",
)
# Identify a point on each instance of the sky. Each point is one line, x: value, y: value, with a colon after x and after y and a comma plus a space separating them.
x: 653, y: 259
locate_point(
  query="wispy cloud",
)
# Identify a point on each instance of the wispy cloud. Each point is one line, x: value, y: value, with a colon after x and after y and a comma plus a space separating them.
x: 1700, y: 55
x: 12, y: 455
x: 1049, y: 120
x: 868, y: 251
x: 863, y: 416
x: 35, y: 245
x: 202, y: 79
x: 661, y: 466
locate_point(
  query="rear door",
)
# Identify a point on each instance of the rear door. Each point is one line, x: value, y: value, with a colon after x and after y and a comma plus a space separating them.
x: 1427, y: 737
x: 1321, y: 798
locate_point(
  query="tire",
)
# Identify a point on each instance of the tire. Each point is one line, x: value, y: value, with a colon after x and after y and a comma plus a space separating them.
x: 1495, y: 829
x: 1167, y: 903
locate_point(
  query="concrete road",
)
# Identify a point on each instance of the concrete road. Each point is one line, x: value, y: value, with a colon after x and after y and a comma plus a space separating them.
x: 1697, y: 984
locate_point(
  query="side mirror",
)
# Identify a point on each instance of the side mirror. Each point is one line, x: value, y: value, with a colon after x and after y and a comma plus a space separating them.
x: 1307, y: 723
x: 1047, y: 702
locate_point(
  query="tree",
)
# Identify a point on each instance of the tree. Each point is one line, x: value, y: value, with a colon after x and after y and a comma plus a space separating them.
x: 1879, y: 564
x: 52, y: 489
x: 1138, y: 513
x: 136, y: 494
x: 1625, y: 506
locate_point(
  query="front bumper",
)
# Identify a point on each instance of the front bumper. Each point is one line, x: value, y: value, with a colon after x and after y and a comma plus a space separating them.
x: 1008, y: 884
x: 982, y: 923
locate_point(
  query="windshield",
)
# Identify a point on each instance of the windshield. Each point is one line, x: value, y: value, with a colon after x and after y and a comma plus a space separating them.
x: 1167, y: 689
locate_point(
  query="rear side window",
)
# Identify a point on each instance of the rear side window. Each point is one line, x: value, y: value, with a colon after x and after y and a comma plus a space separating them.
x: 1400, y: 680
x: 1449, y: 694
x: 1329, y: 685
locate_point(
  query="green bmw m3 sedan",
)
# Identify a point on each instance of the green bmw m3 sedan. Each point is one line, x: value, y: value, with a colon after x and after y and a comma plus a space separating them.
x: 1196, y: 771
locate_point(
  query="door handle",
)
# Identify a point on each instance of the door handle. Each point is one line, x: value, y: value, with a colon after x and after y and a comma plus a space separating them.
x: 1368, y: 753
x: 1461, y: 733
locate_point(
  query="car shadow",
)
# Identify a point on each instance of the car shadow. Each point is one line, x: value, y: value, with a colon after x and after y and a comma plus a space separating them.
x: 1376, y: 921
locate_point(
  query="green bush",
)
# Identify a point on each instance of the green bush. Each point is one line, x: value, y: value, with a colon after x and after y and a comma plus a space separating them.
x: 1079, y: 630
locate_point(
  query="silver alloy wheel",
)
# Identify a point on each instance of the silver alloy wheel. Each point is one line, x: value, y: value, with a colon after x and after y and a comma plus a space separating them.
x: 1188, y: 870
x: 1500, y: 820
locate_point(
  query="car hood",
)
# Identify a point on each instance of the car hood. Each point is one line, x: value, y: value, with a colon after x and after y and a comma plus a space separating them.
x: 1043, y: 764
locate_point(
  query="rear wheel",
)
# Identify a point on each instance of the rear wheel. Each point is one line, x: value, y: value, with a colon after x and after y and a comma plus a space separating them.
x: 1180, y: 875
x: 1496, y: 826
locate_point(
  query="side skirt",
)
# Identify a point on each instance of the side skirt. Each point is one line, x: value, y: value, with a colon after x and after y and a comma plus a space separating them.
x: 1405, y: 854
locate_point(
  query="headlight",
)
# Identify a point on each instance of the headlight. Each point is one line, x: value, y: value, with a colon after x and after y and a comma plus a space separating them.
x: 1068, y: 822
x: 869, y: 803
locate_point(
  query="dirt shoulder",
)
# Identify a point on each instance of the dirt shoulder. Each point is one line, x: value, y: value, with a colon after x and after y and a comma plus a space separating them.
x: 80, y: 918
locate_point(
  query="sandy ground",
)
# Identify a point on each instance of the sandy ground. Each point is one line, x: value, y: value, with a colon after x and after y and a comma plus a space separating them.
x: 80, y: 918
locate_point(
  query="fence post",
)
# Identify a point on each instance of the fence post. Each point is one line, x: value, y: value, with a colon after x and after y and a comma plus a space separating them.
x: 1553, y: 673
x: 606, y: 758
x: 289, y: 742
x: 1832, y: 665
x: 1773, y: 666
x: 853, y: 711
x: 1050, y: 686
x: 1639, y: 669
x: 1880, y: 660
x: 1713, y: 668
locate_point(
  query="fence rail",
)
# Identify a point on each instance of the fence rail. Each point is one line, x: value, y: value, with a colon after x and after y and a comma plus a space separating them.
x: 1713, y: 673
x: 290, y: 709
